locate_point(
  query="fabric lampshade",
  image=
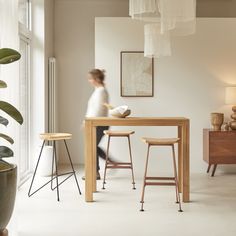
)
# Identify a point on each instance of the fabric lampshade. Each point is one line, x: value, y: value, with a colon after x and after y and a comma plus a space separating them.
x: 169, y: 17
x: 230, y: 95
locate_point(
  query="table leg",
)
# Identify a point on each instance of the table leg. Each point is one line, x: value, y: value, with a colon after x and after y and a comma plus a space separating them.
x: 94, y: 153
x: 186, y: 165
x: 89, y: 161
x: 180, y: 159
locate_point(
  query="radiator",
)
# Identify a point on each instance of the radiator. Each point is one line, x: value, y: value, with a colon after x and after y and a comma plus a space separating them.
x: 52, y: 95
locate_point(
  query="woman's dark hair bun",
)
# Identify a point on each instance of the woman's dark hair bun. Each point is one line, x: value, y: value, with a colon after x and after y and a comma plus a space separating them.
x: 98, y: 75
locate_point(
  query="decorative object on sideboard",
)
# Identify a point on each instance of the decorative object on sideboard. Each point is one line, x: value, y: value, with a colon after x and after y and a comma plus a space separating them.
x: 230, y: 99
x: 226, y: 126
x: 217, y: 120
x: 118, y: 112
x: 137, y: 74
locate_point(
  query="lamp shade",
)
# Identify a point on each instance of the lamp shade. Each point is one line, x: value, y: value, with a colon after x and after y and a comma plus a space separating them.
x: 230, y: 95
x: 165, y: 18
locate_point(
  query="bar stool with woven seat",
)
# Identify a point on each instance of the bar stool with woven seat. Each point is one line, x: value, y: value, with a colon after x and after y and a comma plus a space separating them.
x: 163, y: 181
x: 118, y: 165
x: 53, y: 137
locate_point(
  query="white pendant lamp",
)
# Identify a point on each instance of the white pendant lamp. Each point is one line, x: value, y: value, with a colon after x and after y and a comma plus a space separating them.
x: 165, y: 18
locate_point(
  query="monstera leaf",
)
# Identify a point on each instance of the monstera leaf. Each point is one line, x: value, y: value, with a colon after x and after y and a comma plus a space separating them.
x: 2, y: 84
x: 5, y: 152
x: 11, y: 111
x: 8, y: 55
x: 6, y: 137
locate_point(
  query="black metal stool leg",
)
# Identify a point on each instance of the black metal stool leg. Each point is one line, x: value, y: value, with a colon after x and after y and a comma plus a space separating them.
x: 106, y: 163
x: 55, y: 159
x: 76, y: 180
x: 176, y: 179
x: 52, y: 169
x: 144, y: 179
x: 31, y: 184
x: 131, y: 160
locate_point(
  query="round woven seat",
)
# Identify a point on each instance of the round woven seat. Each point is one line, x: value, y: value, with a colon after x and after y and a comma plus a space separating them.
x: 118, y: 133
x: 160, y: 141
x: 55, y: 136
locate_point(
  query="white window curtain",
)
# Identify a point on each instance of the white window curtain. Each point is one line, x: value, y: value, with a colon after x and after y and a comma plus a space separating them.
x: 165, y: 18
x: 9, y: 38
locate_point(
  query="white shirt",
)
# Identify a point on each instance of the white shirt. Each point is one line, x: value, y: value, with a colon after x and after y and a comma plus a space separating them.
x: 96, y: 102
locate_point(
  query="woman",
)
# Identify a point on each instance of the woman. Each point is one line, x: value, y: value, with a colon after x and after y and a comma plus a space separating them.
x: 96, y: 107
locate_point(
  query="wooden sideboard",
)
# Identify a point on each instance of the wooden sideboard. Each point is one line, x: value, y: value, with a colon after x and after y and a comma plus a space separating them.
x: 219, y: 147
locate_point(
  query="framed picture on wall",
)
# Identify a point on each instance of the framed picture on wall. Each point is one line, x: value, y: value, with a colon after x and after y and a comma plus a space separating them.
x: 137, y: 74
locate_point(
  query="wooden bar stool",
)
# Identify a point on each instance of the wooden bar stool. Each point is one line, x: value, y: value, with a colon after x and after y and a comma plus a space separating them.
x: 55, y: 137
x: 118, y: 165
x: 163, y: 181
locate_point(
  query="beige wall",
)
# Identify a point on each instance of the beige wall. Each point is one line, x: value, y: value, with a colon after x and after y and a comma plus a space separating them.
x: 74, y: 50
x: 190, y: 83
x: 216, y: 8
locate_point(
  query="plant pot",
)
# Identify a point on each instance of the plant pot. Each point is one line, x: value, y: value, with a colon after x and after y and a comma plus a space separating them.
x: 217, y: 120
x: 45, y: 166
x: 8, y: 182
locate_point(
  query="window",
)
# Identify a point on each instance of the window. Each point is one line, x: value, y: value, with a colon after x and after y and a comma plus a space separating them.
x: 24, y: 13
x: 24, y: 88
x: 24, y: 100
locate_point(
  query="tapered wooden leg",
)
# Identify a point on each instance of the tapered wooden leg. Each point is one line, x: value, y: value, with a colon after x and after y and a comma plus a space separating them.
x: 180, y: 158
x: 94, y: 157
x: 208, y: 168
x: 214, y: 170
x: 186, y: 164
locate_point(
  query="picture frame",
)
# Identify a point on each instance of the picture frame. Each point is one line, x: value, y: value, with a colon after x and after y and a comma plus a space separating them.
x: 136, y: 74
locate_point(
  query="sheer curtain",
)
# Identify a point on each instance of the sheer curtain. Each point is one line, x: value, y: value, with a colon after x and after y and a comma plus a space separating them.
x: 9, y: 38
x: 10, y: 74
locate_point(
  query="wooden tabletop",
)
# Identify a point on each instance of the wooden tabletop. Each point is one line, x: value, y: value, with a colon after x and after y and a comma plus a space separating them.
x: 137, y: 121
x: 137, y: 118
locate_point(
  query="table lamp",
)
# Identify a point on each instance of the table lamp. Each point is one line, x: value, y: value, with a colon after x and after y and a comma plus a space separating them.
x: 230, y: 99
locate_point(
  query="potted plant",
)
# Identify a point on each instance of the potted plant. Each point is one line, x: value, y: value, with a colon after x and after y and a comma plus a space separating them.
x: 8, y: 172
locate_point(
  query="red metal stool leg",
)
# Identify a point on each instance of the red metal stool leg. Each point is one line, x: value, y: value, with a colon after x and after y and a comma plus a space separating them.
x: 144, y: 179
x: 176, y: 180
x: 131, y: 161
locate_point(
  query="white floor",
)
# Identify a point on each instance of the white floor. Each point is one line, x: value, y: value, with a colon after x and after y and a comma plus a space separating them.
x: 116, y: 210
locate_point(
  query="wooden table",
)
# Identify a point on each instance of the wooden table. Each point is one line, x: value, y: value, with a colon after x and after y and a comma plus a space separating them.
x: 90, y: 147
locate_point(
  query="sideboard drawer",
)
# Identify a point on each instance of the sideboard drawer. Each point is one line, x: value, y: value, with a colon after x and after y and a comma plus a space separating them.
x: 220, y: 147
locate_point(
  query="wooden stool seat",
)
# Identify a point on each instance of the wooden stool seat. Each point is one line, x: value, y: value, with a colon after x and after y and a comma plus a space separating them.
x: 118, y: 133
x: 55, y: 136
x: 160, y: 141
